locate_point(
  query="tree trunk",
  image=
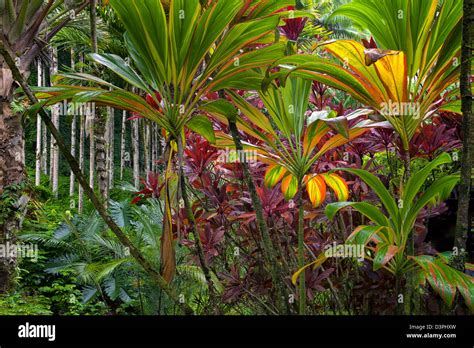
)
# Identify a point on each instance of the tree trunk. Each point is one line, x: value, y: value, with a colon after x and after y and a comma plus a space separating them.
x: 95, y: 114
x: 72, y: 178
x: 111, y: 144
x: 93, y: 23
x: 12, y: 177
x: 462, y: 222
x: 146, y: 146
x: 154, y: 149
x: 38, y: 133
x: 82, y: 130
x: 55, y: 118
x: 44, y: 155
x: 136, y: 152
x: 91, y: 125
x: 101, y: 155
x: 122, y: 143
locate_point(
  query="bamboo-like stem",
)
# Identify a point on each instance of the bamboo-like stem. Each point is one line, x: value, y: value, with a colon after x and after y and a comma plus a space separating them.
x: 122, y: 143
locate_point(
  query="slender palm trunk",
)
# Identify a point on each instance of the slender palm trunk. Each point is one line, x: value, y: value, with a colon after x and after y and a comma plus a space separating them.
x: 111, y: 144
x: 38, y: 133
x: 91, y: 124
x: 411, y: 299
x: 82, y: 135
x: 55, y: 118
x: 154, y: 151
x: 101, y: 154
x: 167, y: 251
x: 123, y: 133
x: 146, y: 146
x: 44, y: 130
x: 38, y: 152
x: 467, y: 161
x: 44, y: 154
x: 72, y: 178
x: 82, y: 130
x: 93, y: 25
x: 136, y: 152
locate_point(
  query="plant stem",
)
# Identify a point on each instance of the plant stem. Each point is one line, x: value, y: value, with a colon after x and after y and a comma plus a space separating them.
x: 410, y: 297
x: 302, y: 278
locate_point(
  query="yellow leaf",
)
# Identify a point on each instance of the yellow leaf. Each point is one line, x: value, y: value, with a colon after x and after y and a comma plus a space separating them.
x: 338, y: 185
x: 316, y: 188
x: 289, y: 186
x: 273, y: 175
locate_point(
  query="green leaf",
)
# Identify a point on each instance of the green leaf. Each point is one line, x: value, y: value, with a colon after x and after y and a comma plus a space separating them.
x: 367, y: 209
x: 384, y: 253
x: 385, y: 197
x: 363, y: 234
x: 438, y: 275
x: 417, y: 180
x: 220, y: 107
x: 439, y: 187
x: 203, y: 126
x: 117, y: 65
x: 146, y: 37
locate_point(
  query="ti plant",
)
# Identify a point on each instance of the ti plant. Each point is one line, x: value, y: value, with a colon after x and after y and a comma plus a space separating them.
x: 182, y: 53
x: 406, y: 78
x: 385, y: 240
x: 292, y: 146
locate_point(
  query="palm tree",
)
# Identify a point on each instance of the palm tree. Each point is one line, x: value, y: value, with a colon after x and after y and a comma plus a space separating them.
x: 24, y: 31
